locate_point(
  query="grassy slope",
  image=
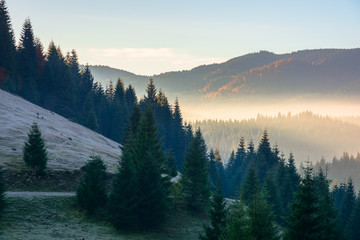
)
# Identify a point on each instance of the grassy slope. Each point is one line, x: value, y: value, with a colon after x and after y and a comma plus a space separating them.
x: 49, y: 217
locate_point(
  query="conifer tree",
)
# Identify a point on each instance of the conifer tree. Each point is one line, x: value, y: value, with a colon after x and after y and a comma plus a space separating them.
x: 194, y: 179
x: 178, y: 138
x: 250, y: 188
x: 91, y: 193
x: 130, y: 98
x: 303, y: 222
x: 7, y: 50
x: 327, y: 213
x: 273, y: 198
x: 2, y: 191
x: 266, y: 160
x: 92, y: 122
x: 150, y: 97
x: 153, y: 186
x: 353, y: 229
x: 213, y: 173
x: 218, y: 214
x: 35, y: 154
x: 347, y: 204
x: 238, y: 223
x: 124, y: 197
x: 28, y: 64
x: 262, y: 225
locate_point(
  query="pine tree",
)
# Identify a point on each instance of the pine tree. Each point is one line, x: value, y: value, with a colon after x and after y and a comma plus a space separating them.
x: 27, y: 64
x: 273, y: 198
x: 347, y: 204
x: 262, y: 226
x: 150, y: 97
x: 218, y: 214
x: 92, y: 122
x: 194, y: 179
x: 303, y: 222
x: 153, y: 186
x: 2, y: 191
x: 130, y: 98
x: 266, y: 160
x: 250, y: 188
x: 91, y: 193
x: 7, y: 50
x: 124, y: 197
x: 353, y: 230
x: 178, y: 136
x: 238, y: 223
x: 35, y: 154
x: 327, y: 213
x: 213, y: 173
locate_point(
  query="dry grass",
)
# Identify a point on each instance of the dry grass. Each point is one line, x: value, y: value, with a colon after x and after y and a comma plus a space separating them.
x: 49, y: 217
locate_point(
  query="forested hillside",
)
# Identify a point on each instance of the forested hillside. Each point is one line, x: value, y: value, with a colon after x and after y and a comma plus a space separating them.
x: 307, y: 135
x: 327, y: 72
x: 55, y: 81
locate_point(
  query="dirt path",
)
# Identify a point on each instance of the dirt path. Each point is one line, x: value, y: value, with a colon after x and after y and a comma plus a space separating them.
x: 40, y: 193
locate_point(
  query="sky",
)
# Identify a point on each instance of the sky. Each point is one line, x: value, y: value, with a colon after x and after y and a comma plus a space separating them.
x: 152, y: 37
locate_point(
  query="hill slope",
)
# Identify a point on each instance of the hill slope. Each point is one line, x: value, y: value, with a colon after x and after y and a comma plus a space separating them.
x: 324, y: 71
x: 69, y: 144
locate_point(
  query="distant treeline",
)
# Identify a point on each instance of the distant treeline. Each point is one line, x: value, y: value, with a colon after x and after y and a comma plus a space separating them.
x: 339, y: 170
x: 57, y: 82
x: 307, y: 135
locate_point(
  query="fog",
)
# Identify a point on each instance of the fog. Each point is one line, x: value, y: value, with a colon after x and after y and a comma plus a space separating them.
x: 249, y: 108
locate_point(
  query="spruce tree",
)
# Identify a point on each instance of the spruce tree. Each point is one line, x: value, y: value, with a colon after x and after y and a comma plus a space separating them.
x: 7, y: 50
x: 27, y: 64
x: 91, y: 193
x: 153, y: 186
x: 194, y: 179
x: 250, y: 188
x: 34, y: 153
x: 178, y: 136
x: 347, y: 204
x: 213, y: 173
x: 266, y: 160
x: 273, y: 197
x: 218, y: 214
x: 262, y: 225
x: 303, y: 222
x: 124, y: 197
x: 238, y: 223
x: 327, y: 213
x: 353, y: 229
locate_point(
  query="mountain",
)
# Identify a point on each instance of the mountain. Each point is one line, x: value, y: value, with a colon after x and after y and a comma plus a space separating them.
x: 104, y: 74
x: 323, y: 71
x: 69, y: 145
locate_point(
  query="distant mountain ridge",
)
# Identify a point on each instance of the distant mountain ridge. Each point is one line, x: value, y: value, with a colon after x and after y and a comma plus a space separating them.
x: 322, y: 71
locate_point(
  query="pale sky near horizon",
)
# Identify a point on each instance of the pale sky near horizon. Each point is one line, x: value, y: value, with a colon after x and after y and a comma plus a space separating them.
x: 150, y: 37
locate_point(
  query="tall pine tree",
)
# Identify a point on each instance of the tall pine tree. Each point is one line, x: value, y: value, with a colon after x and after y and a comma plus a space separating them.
x: 194, y: 179
x: 153, y: 186
x: 7, y: 50
x: 303, y: 222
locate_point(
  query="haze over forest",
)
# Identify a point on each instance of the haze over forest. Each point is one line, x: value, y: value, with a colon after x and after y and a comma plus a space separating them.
x: 262, y: 146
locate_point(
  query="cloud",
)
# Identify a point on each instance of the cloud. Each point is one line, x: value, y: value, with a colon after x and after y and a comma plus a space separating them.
x: 133, y: 53
x: 146, y: 61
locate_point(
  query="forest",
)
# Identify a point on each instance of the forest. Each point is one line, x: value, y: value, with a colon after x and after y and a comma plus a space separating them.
x: 167, y: 164
x: 307, y: 135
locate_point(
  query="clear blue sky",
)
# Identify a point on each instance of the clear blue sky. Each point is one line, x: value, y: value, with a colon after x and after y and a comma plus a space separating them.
x: 149, y: 37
